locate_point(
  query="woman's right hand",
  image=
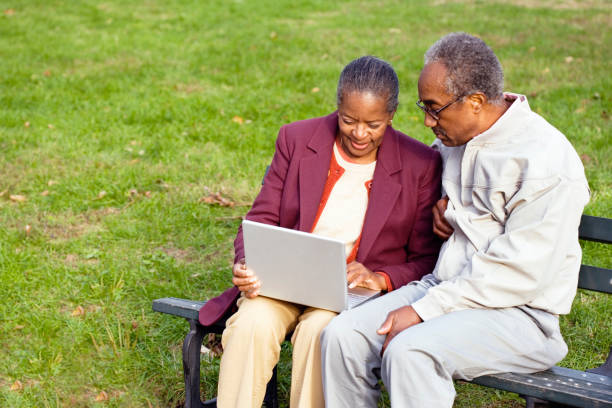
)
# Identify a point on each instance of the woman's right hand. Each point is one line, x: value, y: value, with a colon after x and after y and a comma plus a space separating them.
x: 245, y: 280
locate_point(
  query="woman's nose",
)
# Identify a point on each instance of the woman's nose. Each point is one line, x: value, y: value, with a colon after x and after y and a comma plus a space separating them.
x: 360, y: 131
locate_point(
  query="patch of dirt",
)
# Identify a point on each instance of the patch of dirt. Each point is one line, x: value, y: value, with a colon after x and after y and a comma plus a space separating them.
x: 549, y: 4
x: 182, y: 255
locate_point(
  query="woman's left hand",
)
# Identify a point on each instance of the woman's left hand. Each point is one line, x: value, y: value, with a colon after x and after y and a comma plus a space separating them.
x: 358, y: 275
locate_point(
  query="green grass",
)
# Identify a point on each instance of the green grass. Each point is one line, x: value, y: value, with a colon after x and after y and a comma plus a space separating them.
x: 116, y: 117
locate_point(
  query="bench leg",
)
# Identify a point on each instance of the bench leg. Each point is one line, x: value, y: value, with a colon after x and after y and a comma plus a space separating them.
x: 191, y: 364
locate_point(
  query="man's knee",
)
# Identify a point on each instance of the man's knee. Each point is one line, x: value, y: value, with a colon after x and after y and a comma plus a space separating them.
x: 337, y: 331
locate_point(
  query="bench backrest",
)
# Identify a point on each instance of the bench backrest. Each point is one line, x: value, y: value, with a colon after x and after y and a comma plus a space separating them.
x: 596, y: 229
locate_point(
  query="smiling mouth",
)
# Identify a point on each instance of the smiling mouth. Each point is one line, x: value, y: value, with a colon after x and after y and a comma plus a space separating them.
x: 359, y: 146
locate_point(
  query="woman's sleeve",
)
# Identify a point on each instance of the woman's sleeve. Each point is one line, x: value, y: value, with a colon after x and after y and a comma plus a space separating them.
x: 266, y: 207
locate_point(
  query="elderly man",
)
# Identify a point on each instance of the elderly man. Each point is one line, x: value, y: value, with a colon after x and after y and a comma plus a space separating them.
x: 514, y: 192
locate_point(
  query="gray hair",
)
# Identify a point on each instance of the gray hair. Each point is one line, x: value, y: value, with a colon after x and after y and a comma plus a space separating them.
x: 369, y: 74
x: 472, y: 66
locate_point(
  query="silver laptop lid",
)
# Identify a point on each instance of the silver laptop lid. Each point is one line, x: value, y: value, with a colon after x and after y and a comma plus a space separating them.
x: 297, y: 266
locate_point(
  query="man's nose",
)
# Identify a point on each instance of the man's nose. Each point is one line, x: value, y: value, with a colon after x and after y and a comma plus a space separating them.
x: 429, y: 121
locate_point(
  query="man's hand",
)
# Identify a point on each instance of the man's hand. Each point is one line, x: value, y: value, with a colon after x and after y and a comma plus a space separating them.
x: 359, y: 275
x: 246, y: 280
x: 396, y: 322
x: 441, y: 227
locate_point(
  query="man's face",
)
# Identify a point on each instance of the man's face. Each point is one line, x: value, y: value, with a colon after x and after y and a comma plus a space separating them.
x: 457, y: 123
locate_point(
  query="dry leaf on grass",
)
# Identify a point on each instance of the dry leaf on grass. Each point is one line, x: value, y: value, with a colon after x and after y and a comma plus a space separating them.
x: 51, y: 183
x: 3, y: 193
x: 238, y: 120
x: 17, y: 386
x: 18, y: 198
x: 9, y: 12
x: 315, y: 89
x: 218, y: 199
x: 26, y: 124
x: 101, y: 194
x: 213, y: 344
x: 102, y: 396
x: 50, y: 126
x: 78, y: 311
x: 28, y: 229
x: 45, y: 193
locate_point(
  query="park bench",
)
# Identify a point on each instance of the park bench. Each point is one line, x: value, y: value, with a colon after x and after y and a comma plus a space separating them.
x: 560, y: 386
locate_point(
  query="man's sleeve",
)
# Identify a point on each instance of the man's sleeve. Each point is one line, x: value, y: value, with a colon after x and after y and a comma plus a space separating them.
x: 518, y: 264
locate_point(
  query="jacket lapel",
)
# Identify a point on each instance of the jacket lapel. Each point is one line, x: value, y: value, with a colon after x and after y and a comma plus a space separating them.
x: 313, y: 169
x: 384, y: 194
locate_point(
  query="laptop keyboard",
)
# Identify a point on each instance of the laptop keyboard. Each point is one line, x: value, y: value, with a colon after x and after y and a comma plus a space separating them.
x: 354, y: 299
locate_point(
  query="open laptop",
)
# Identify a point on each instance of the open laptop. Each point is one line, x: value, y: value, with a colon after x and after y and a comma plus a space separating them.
x: 300, y: 267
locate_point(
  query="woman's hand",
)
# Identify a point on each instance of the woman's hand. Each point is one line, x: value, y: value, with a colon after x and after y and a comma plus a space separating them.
x: 246, y: 280
x: 359, y: 275
x: 441, y: 227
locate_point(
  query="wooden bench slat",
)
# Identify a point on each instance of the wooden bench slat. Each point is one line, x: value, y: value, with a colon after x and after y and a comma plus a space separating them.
x: 594, y: 278
x: 596, y: 229
x: 189, y: 309
x: 559, y: 384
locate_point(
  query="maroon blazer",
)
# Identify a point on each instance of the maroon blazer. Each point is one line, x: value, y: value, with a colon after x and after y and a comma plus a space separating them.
x: 397, y: 236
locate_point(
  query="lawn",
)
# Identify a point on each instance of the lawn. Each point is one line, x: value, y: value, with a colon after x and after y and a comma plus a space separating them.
x: 120, y: 121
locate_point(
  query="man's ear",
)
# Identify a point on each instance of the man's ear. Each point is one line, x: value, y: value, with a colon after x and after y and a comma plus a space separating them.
x: 477, y: 101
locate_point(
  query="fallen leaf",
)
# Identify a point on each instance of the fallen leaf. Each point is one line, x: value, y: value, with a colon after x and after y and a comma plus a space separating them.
x: 134, y: 161
x: 19, y: 327
x: 147, y: 194
x: 586, y: 159
x: 28, y: 229
x: 273, y: 35
x: 569, y: 59
x: 532, y: 48
x: 3, y: 193
x: 47, y: 73
x: 78, y: 311
x: 216, y: 198
x: 133, y: 192
x: 135, y: 143
x: 102, y: 396
x: 395, y: 30
x: 70, y: 258
x: 26, y: 124
x: 45, y: 193
x: 546, y: 70
x: 17, y: 198
x: 51, y: 182
x: 238, y: 120
x: 101, y: 194
x: 134, y: 324
x: 315, y: 90
x: 9, y: 12
x: 141, y: 152
x: 17, y: 386
x: 50, y: 126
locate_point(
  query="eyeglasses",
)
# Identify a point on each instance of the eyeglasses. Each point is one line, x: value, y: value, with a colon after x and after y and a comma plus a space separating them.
x: 434, y: 113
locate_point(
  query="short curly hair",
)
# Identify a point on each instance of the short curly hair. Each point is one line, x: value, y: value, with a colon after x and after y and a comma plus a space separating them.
x: 370, y: 74
x: 472, y: 66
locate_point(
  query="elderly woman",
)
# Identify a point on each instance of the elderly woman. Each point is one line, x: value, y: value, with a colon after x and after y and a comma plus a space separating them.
x: 348, y: 175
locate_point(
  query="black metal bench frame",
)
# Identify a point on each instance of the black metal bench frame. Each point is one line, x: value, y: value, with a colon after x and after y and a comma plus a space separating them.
x: 557, y: 387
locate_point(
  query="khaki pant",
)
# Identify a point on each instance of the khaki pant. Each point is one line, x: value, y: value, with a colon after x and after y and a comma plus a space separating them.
x: 251, y: 348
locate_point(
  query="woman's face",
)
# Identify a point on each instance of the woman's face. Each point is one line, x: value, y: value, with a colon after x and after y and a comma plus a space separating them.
x: 362, y: 121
